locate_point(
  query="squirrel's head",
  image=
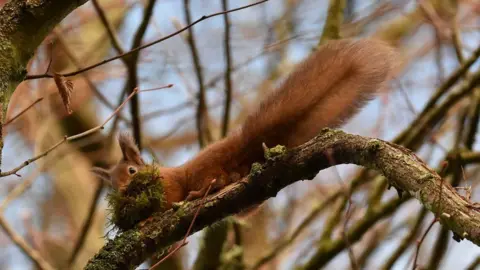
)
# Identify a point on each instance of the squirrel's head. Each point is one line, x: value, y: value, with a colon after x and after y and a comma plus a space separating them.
x: 120, y: 175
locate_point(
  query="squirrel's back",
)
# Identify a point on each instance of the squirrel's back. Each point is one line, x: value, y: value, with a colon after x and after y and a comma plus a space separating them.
x: 325, y: 90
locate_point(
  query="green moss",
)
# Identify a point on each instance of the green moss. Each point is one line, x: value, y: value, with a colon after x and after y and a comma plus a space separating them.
x: 180, y: 211
x: 160, y: 226
x: 256, y: 168
x: 110, y: 257
x: 143, y: 196
x: 374, y: 145
x: 162, y: 252
x: 274, y: 152
x: 208, y: 204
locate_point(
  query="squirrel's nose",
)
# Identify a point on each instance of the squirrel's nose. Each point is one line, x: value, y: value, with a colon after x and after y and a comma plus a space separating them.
x: 122, y: 187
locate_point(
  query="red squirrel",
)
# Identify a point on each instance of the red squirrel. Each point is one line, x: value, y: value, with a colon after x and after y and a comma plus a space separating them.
x: 325, y: 90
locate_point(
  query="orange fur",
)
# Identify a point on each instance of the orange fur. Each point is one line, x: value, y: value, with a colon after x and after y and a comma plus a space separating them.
x: 328, y: 88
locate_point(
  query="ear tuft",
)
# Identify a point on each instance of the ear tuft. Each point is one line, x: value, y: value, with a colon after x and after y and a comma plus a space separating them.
x: 129, y: 148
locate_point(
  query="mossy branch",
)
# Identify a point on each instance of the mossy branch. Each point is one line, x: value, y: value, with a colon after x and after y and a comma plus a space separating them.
x: 23, y: 26
x: 403, y: 169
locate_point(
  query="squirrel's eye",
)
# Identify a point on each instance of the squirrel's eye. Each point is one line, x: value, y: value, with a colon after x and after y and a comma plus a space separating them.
x: 132, y: 170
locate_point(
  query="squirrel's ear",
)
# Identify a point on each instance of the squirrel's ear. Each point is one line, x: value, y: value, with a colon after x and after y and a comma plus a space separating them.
x: 130, y: 150
x: 103, y: 174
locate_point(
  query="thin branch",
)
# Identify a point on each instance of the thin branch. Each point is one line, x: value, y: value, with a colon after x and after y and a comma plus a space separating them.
x: 332, y: 248
x: 74, y: 137
x: 87, y: 224
x: 334, y: 21
x: 456, y: 40
x: 110, y: 31
x: 30, y: 252
x: 31, y: 77
x: 419, y: 243
x: 473, y: 116
x: 202, y: 125
x: 474, y: 264
x: 351, y: 255
x: 131, y: 64
x: 110, y: 137
x: 373, y: 243
x: 51, y: 59
x: 348, y: 213
x: 3, y: 110
x: 406, y: 241
x: 19, y: 190
x: 449, y: 82
x: 310, y: 217
x: 228, y: 72
x: 166, y: 111
x: 22, y: 112
x: 76, y: 63
x: 33, y: 254
x: 216, y: 78
x: 432, y: 115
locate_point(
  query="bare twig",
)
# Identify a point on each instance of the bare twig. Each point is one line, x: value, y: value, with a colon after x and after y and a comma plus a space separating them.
x: 19, y: 189
x: 311, y: 217
x: 111, y: 33
x: 228, y: 72
x: 474, y: 264
x: 348, y: 214
x: 406, y: 241
x: 456, y: 40
x: 33, y: 254
x: 348, y: 191
x: 22, y: 112
x: 202, y: 125
x: 75, y: 137
x: 51, y: 59
x: 85, y: 75
x: 131, y: 63
x: 419, y: 243
x: 87, y: 224
x: 116, y: 119
x: 450, y: 81
x: 31, y: 77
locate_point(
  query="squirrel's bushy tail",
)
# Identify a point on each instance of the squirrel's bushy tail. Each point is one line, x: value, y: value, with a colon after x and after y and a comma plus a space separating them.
x: 325, y: 90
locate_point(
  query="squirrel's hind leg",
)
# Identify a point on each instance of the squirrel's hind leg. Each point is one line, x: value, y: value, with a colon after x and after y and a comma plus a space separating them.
x: 195, y: 194
x: 216, y: 184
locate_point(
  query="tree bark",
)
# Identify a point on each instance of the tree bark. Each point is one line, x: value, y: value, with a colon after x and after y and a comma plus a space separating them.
x: 24, y: 24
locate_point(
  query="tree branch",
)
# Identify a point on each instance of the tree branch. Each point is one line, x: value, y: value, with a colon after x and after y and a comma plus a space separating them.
x: 132, y: 79
x: 228, y: 70
x: 23, y: 26
x: 403, y: 169
x: 135, y: 50
x: 200, y: 116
